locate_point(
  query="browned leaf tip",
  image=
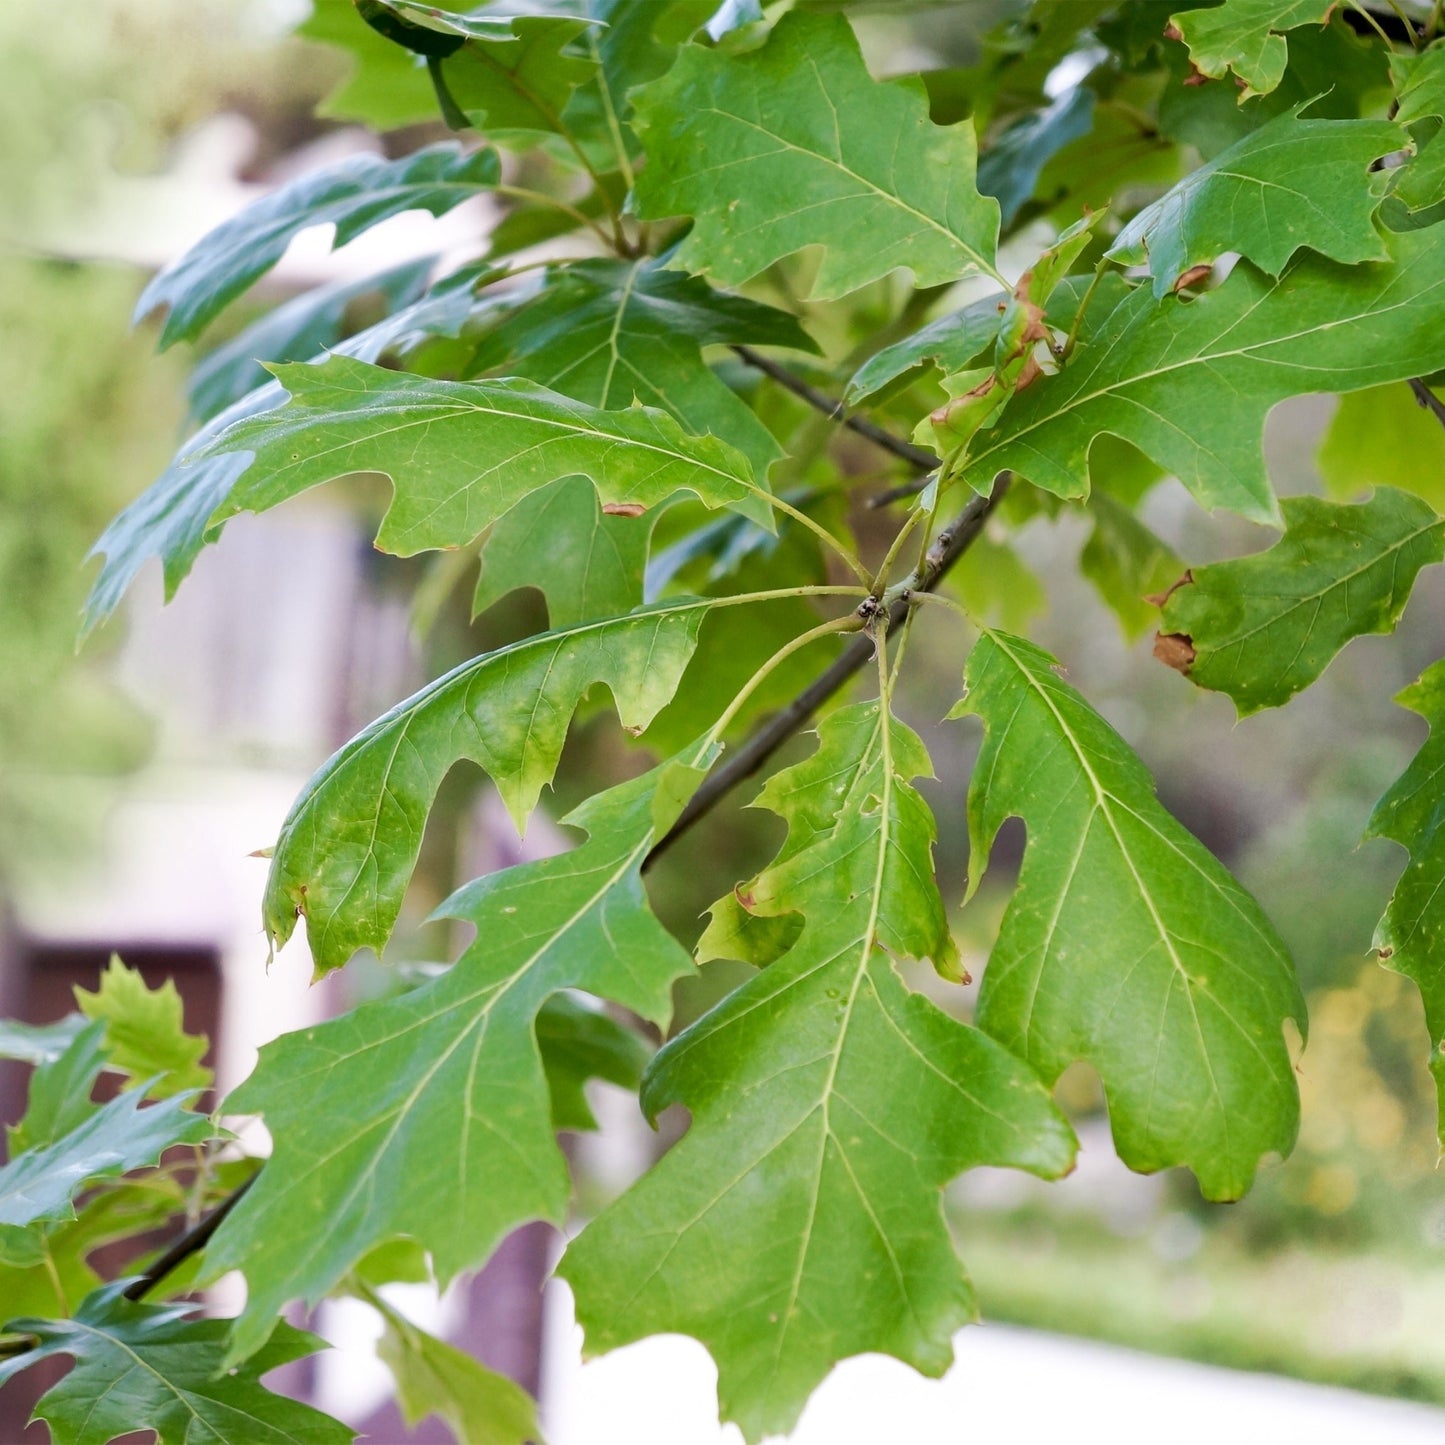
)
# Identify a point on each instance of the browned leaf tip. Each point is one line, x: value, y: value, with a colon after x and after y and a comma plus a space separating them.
x: 1196, y: 76
x: 1158, y: 599
x: 1175, y: 649
x: 1173, y: 32
x: 623, y: 509
x: 1193, y: 276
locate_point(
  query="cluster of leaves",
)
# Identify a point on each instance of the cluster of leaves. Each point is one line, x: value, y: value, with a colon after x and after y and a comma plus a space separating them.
x: 575, y: 417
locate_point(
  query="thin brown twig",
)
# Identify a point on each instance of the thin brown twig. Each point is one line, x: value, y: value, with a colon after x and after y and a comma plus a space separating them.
x: 947, y: 547
x: 191, y: 1242
x: 1427, y: 399
x: 925, y: 461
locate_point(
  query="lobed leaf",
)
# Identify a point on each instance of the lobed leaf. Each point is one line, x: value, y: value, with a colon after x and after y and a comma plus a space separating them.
x: 297, y: 330
x: 432, y: 1377
x: 1408, y: 935
x: 40, y: 1183
x: 350, y: 842
x: 428, y: 1116
x: 171, y: 520
x: 1263, y: 628
x: 461, y: 454
x: 951, y: 343
x: 145, y: 1034
x: 1419, y: 82
x: 799, y: 1220
x: 1190, y: 382
x: 352, y: 195
x: 795, y: 145
x: 1247, y: 37
x: 1289, y: 184
x: 147, y: 1367
x: 1126, y: 943
x: 612, y: 333
x: 595, y: 560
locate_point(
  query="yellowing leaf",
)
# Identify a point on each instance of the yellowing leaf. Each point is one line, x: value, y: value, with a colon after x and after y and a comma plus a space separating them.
x: 145, y: 1031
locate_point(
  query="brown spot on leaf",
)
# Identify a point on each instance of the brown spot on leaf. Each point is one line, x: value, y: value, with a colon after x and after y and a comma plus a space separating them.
x: 623, y: 509
x: 1030, y: 374
x: 1158, y: 599
x: 1193, y: 276
x: 1175, y: 649
x: 1383, y: 953
x: 745, y: 898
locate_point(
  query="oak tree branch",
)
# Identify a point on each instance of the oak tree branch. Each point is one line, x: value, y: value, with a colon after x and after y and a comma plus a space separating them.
x: 947, y: 547
x: 925, y: 461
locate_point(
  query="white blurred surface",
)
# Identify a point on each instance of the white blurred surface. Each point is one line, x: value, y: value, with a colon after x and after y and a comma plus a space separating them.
x: 1009, y: 1387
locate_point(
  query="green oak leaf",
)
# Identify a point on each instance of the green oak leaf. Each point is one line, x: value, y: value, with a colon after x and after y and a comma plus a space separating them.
x: 350, y: 842
x: 1291, y: 183
x: 578, y: 1044
x: 45, y: 1269
x: 1127, y: 563
x: 1338, y: 73
x: 1408, y: 936
x: 297, y: 330
x: 796, y: 145
x: 442, y: 1128
x: 1126, y: 944
x: 432, y: 1377
x: 145, y: 1034
x: 148, y: 1367
x: 171, y: 520
x: 58, y: 1099
x: 613, y: 332
x: 38, y: 1043
x: 1247, y: 37
x: 461, y: 454
x: 386, y: 86
x: 39, y: 1184
x: 1383, y: 437
x: 508, y: 75
x: 799, y: 1220
x: 951, y: 343
x: 1420, y: 94
x: 352, y: 195
x: 1009, y: 169
x: 1190, y: 382
x: 1263, y: 628
x: 595, y: 561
